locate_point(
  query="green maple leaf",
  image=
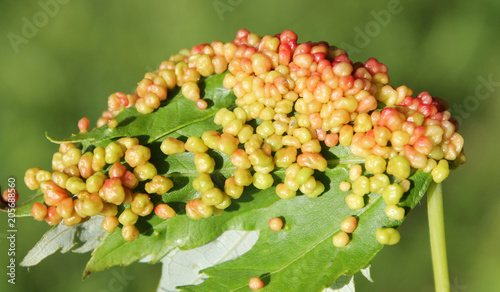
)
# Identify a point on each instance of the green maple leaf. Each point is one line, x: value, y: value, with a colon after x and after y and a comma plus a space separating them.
x: 300, y: 257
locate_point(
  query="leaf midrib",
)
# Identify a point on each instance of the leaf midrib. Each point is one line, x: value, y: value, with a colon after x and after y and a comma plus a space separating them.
x: 330, y: 162
x: 180, y: 127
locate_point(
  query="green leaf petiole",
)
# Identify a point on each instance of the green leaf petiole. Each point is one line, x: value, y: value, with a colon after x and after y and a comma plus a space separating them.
x: 437, y: 237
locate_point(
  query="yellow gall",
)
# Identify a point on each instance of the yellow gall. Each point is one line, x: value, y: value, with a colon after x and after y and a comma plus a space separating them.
x: 340, y: 239
x: 345, y: 186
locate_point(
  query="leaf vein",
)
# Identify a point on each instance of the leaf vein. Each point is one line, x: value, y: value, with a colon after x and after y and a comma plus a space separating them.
x: 316, y: 243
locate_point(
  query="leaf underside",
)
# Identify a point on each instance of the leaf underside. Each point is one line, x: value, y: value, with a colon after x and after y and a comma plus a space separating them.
x: 301, y: 257
x: 80, y: 238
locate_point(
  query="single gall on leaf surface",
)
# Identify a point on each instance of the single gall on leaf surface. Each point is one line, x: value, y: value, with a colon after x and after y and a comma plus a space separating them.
x: 317, y: 153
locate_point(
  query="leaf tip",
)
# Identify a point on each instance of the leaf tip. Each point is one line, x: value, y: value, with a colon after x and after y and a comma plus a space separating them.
x: 50, y: 138
x: 57, y: 141
x: 86, y: 273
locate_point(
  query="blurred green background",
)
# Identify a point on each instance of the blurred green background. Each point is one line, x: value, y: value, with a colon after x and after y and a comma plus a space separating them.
x: 78, y: 52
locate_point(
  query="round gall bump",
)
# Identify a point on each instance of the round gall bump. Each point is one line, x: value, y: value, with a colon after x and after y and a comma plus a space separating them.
x: 255, y: 283
x: 394, y: 212
x: 354, y: 201
x: 275, y: 224
x: 345, y: 186
x: 441, y: 171
x: 130, y: 233
x: 387, y: 236
x: 349, y: 224
x: 83, y: 124
x: 340, y: 239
